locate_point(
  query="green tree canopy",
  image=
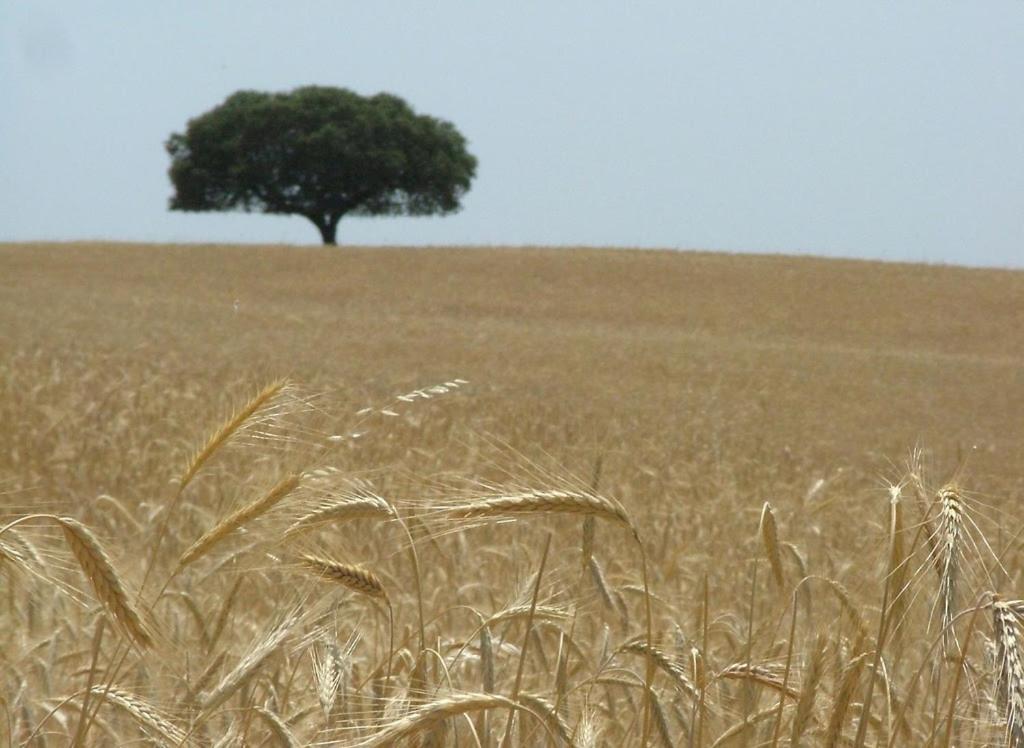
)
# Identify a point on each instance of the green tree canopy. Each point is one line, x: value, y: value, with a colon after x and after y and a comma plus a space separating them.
x: 322, y: 153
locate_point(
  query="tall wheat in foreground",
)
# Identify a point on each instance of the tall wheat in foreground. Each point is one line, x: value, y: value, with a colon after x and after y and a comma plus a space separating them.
x: 309, y: 591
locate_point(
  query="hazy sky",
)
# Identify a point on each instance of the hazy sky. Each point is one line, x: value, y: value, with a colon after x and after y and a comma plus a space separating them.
x: 858, y: 128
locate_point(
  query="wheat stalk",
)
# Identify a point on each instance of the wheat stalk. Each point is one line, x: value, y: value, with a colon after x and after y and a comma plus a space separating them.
x: 544, y: 710
x: 486, y: 660
x: 597, y: 575
x: 208, y: 674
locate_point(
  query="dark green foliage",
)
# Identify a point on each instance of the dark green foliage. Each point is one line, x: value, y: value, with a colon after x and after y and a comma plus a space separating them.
x: 322, y: 153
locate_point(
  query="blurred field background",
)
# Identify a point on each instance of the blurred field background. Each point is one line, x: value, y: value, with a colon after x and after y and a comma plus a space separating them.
x: 644, y: 356
x: 702, y: 385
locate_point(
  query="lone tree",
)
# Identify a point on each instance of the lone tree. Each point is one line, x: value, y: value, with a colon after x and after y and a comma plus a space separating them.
x: 322, y: 153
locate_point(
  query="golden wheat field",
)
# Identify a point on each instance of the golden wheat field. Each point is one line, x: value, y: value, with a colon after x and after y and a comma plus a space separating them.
x: 274, y: 496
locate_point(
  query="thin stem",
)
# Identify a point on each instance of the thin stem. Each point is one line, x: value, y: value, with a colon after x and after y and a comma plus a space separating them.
x: 526, y: 642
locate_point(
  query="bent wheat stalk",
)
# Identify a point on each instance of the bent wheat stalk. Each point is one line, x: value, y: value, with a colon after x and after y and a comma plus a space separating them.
x: 431, y: 714
x: 664, y: 663
x: 106, y: 582
x: 278, y: 727
x: 141, y: 711
x: 758, y: 674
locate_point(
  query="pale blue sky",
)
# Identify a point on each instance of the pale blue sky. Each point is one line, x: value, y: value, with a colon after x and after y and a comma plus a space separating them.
x: 856, y: 128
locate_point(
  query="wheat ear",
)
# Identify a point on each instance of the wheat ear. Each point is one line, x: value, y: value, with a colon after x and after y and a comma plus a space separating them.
x: 1010, y: 695
x: 106, y: 582
x: 661, y: 724
x: 770, y: 537
x: 228, y: 428
x: 354, y: 577
x: 238, y: 518
x: 328, y: 675
x: 10, y: 554
x: 540, y: 612
x: 24, y: 555
x: 760, y: 675
x: 671, y: 668
x: 556, y: 501
x: 950, y: 534
x: 545, y: 711
x: 248, y: 665
x: 808, y: 691
x: 849, y: 678
x: 277, y: 726
x: 142, y: 712
x: 363, y: 507
x: 431, y: 714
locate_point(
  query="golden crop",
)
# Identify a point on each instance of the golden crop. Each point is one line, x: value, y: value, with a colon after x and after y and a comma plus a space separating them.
x: 287, y: 496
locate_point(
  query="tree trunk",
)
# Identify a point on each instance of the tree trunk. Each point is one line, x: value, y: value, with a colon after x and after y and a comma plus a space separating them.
x: 328, y: 227
x: 329, y: 233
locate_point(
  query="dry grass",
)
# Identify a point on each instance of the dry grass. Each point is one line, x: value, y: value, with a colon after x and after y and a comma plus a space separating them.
x: 716, y: 446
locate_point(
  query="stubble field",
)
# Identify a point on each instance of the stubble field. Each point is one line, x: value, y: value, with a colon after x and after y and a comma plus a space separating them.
x: 291, y: 496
